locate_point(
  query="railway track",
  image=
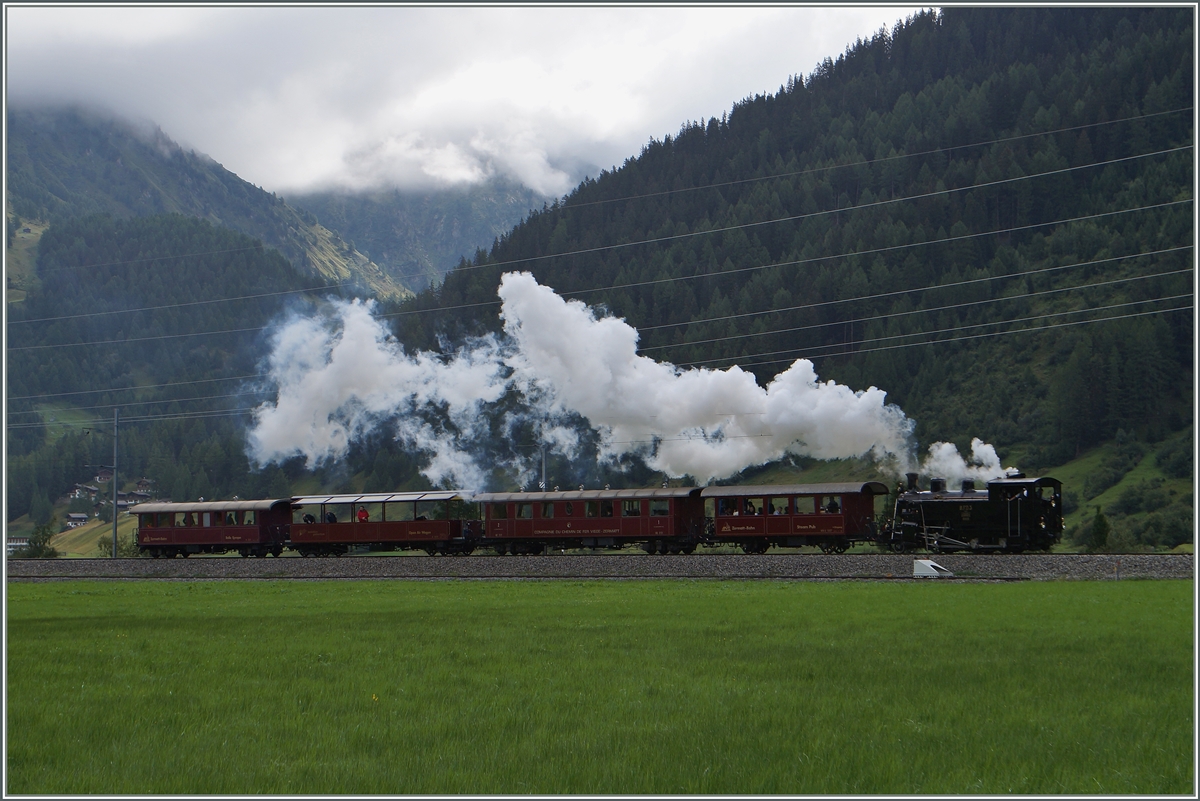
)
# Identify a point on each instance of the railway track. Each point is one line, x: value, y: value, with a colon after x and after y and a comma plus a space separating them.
x: 612, y: 566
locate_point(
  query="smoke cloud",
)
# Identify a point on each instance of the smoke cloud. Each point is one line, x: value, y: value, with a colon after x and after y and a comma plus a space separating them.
x: 561, y: 365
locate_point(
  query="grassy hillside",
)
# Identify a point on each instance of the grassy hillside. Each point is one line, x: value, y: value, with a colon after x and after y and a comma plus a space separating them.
x: 418, y: 237
x: 65, y: 163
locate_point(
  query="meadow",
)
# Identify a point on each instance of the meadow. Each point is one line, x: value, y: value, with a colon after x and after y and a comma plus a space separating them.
x: 600, y: 687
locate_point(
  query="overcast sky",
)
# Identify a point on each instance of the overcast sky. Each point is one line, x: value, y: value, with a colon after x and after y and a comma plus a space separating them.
x: 294, y: 99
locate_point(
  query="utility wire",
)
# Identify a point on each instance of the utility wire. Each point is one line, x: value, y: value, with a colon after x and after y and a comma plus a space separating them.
x: 180, y: 305
x: 845, y: 345
x: 1034, y: 329
x: 811, y: 215
x: 682, y: 278
x: 131, y: 389
x: 876, y: 296
x: 889, y: 316
x: 864, y: 163
x: 915, y: 290
x: 797, y: 262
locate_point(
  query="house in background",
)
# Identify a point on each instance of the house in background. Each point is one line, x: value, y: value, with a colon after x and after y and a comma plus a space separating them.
x: 15, y: 542
x: 76, y: 519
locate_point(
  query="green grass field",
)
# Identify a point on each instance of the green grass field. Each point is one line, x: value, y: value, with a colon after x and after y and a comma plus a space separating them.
x: 600, y: 687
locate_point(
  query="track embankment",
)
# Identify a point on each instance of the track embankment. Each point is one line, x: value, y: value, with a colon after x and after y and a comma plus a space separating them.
x: 613, y: 566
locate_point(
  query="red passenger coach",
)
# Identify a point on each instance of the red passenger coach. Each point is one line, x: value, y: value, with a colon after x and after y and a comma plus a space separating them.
x: 661, y: 520
x: 830, y: 516
x: 443, y: 521
x: 252, y: 528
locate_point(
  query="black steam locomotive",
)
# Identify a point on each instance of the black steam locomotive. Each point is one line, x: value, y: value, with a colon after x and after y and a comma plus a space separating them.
x: 1012, y: 515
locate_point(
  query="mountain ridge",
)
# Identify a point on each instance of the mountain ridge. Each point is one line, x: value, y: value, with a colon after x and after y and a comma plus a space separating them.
x: 70, y: 162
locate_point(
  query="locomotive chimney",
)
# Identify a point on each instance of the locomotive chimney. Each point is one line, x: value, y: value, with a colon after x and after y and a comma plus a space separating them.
x: 968, y: 485
x: 937, y: 485
x: 912, y: 480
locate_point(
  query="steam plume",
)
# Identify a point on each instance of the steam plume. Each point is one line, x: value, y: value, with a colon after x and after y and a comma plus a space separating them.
x: 340, y: 379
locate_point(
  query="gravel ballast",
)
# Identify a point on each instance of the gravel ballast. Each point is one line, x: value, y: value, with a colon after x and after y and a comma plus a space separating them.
x: 617, y: 566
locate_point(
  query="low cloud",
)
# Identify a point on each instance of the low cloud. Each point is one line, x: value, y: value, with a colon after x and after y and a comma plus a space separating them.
x: 302, y: 98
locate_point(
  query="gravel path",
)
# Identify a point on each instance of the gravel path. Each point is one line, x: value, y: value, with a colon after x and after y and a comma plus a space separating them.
x: 614, y: 566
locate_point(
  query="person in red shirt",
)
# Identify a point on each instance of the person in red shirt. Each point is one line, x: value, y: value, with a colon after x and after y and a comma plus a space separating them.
x: 362, y: 514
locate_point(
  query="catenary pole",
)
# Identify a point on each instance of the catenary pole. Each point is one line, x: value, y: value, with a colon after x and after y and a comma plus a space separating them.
x: 114, y: 482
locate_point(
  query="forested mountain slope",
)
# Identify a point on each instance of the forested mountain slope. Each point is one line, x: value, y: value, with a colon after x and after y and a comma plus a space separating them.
x: 898, y: 215
x: 417, y: 237
x: 165, y: 317
x: 65, y: 163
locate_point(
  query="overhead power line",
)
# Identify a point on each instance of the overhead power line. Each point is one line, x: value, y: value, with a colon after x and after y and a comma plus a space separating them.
x: 865, y: 162
x: 844, y: 348
x: 681, y: 278
x: 931, y: 310
x: 1034, y: 329
x: 810, y: 215
x: 181, y: 305
x: 917, y: 290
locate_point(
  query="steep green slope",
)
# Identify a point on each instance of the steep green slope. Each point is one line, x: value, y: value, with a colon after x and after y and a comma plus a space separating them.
x: 164, y: 318
x: 66, y: 163
x: 418, y: 237
x: 900, y: 215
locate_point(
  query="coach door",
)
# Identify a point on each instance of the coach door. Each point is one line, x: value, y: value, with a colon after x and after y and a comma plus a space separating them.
x: 498, y: 520
x: 659, y: 522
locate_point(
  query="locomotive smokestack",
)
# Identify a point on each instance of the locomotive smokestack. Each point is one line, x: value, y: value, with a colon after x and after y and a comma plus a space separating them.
x: 937, y: 485
x: 912, y: 480
x: 968, y: 485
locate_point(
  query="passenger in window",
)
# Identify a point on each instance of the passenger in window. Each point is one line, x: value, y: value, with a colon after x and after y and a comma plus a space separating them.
x: 363, y: 515
x: 330, y: 517
x: 308, y: 518
x: 750, y: 508
x: 187, y: 520
x: 833, y: 507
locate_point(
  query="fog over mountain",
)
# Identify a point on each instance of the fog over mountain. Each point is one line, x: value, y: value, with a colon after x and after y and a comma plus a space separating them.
x: 308, y: 99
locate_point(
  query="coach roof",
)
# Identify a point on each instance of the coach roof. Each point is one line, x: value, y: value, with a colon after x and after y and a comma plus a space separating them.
x: 873, y: 487
x: 209, y: 506
x: 586, y: 495
x: 383, y: 498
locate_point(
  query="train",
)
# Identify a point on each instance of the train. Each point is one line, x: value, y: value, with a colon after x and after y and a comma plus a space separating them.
x: 1012, y: 514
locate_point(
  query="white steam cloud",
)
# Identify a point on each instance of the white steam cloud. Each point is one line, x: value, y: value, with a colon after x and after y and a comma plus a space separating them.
x: 343, y: 378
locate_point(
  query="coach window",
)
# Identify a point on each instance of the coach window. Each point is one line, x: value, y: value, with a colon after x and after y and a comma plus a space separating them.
x: 592, y: 509
x: 660, y: 508
x: 206, y: 519
x: 338, y: 513
x: 524, y: 511
x: 631, y: 508
x: 431, y: 510
x: 499, y: 511
x: 777, y: 506
x: 569, y: 509
x: 398, y: 512
x: 831, y: 504
x: 248, y: 517
x: 183, y: 519
x: 547, y: 510
x: 165, y: 520
x: 726, y: 507
x: 606, y: 508
x: 753, y: 506
x: 806, y: 505
x: 464, y: 510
